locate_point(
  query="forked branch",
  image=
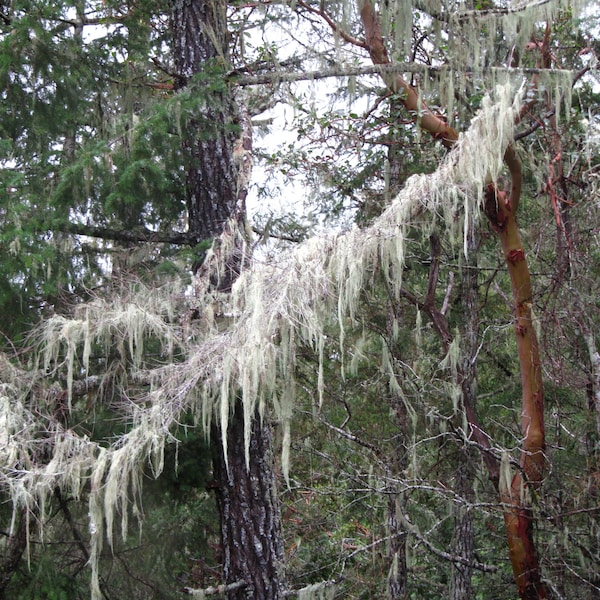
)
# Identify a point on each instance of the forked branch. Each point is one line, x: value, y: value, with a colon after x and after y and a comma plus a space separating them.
x: 500, y: 208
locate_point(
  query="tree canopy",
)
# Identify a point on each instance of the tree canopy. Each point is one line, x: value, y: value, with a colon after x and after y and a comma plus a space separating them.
x: 421, y: 335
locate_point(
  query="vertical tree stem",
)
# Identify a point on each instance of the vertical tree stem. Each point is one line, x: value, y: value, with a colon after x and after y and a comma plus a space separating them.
x: 500, y: 210
x: 516, y: 497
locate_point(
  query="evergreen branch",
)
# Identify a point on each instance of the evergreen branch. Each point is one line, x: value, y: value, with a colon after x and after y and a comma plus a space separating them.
x: 504, y: 10
x: 481, y: 12
x: 137, y: 235
x: 391, y: 68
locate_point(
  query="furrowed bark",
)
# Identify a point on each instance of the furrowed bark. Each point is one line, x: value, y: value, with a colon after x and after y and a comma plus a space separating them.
x: 397, y: 577
x: 218, y: 171
x: 249, y: 510
x: 463, y: 542
x: 200, y: 42
x: 463, y: 539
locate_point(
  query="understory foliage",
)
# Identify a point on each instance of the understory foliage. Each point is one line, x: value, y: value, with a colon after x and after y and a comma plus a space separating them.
x: 348, y: 325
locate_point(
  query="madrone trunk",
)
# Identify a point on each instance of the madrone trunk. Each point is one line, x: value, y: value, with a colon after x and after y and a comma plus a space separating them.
x: 501, y: 208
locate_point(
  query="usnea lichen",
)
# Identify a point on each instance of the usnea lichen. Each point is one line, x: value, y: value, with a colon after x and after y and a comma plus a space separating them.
x: 275, y: 309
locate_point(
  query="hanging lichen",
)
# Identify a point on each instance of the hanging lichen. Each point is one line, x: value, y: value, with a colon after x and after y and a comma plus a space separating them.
x: 276, y: 308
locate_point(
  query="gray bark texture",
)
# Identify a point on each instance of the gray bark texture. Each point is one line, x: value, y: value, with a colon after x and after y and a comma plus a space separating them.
x: 463, y: 543
x: 397, y: 579
x: 200, y: 46
x: 397, y: 584
x: 16, y: 543
x: 249, y: 510
x: 216, y: 186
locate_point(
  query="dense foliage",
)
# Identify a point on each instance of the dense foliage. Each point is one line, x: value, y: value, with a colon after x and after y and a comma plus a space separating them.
x: 373, y: 327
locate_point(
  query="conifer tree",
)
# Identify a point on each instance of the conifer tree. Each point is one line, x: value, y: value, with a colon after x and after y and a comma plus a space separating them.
x: 216, y: 189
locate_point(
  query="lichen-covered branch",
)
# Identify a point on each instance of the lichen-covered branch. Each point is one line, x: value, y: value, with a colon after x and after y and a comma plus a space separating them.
x: 276, y: 308
x: 427, y: 119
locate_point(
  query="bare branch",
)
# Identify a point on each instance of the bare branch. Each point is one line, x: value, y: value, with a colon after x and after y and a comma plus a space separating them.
x: 141, y: 234
x: 321, y: 12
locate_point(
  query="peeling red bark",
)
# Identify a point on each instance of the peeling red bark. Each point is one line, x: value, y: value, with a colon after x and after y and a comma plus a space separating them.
x: 500, y: 209
x: 518, y: 515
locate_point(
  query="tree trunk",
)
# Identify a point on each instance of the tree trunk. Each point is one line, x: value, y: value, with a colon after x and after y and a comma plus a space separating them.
x: 397, y: 586
x: 463, y: 540
x: 15, y: 545
x: 200, y: 44
x: 249, y: 511
x: 217, y: 172
x: 516, y: 494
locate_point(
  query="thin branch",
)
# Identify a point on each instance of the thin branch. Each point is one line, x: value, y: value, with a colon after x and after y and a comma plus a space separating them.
x: 141, y: 234
x: 377, y: 69
x: 413, y: 530
x: 334, y: 26
x: 64, y: 507
x: 79, y: 542
x: 354, y: 438
x: 214, y: 590
x: 265, y: 233
x: 550, y: 113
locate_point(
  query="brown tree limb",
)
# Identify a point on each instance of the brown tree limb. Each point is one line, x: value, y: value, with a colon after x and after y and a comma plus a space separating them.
x: 426, y: 118
x: 141, y: 234
x: 518, y: 515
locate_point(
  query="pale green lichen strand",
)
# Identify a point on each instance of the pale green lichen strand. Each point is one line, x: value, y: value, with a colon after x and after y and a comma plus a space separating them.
x: 276, y: 308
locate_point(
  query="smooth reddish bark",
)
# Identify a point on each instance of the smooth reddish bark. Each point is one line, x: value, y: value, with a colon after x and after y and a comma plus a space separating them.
x: 427, y: 119
x: 500, y: 209
x: 518, y: 516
